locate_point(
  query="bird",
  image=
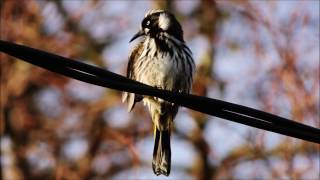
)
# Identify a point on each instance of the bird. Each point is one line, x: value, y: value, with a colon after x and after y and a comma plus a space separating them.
x: 162, y: 60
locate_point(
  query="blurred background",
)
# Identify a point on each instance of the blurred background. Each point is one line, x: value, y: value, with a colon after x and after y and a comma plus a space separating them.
x: 261, y: 54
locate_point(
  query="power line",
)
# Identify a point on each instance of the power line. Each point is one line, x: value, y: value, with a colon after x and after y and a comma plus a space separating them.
x: 97, y: 76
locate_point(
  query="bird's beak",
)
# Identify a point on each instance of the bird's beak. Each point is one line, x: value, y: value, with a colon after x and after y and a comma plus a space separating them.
x: 138, y: 34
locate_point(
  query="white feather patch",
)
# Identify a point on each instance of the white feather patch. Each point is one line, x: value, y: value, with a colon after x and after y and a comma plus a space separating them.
x: 164, y: 21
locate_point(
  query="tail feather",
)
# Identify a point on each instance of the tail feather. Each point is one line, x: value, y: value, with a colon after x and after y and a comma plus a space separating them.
x: 161, y: 163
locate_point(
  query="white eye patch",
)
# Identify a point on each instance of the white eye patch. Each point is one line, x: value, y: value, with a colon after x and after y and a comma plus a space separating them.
x: 164, y: 21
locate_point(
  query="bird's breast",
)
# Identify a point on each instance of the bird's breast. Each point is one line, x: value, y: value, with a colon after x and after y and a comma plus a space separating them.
x: 160, y: 71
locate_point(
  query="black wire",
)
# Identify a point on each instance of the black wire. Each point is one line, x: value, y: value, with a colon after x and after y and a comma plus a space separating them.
x: 222, y: 109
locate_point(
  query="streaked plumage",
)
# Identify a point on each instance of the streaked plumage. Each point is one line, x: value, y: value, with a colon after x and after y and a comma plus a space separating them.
x: 161, y: 60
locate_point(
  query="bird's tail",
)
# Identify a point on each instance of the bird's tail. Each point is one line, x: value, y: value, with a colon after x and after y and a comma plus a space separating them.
x: 161, y: 162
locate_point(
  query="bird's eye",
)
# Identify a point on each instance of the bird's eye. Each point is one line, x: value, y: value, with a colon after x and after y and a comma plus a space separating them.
x: 148, y: 23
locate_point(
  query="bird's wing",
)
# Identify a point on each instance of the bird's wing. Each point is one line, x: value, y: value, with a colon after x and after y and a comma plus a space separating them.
x: 132, y: 98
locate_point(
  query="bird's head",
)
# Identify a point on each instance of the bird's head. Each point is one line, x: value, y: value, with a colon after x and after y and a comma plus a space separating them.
x: 159, y: 24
